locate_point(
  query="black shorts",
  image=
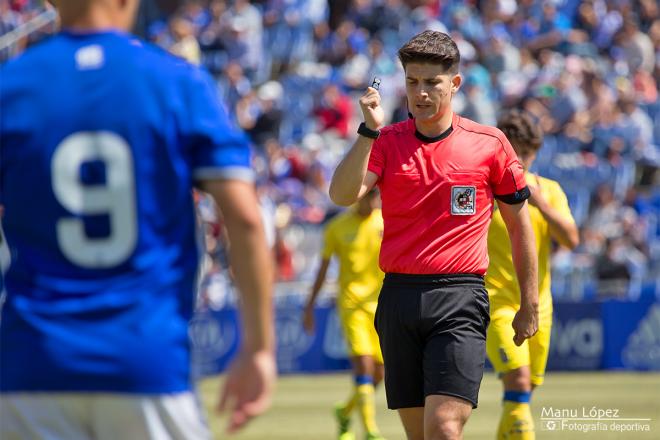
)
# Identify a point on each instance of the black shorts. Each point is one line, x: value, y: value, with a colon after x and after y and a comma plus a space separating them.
x: 432, y: 331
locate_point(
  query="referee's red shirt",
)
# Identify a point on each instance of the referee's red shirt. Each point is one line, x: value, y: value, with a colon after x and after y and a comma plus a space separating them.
x: 438, y: 195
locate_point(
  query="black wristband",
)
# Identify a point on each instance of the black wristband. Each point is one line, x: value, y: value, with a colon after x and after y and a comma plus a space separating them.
x: 368, y: 132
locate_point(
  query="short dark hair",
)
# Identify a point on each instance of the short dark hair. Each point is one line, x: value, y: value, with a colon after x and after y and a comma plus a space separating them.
x: 521, y: 129
x: 431, y: 47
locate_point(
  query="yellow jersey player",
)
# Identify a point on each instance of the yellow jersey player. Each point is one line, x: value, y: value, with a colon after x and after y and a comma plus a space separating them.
x: 354, y: 237
x: 521, y: 368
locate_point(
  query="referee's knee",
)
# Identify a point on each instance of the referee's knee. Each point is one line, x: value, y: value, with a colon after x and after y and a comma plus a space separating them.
x: 445, y: 417
x: 451, y: 429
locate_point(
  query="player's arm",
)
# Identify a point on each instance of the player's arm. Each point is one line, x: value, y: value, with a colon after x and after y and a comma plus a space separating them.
x: 351, y: 179
x: 220, y: 161
x: 308, y: 314
x: 250, y: 257
x: 562, y: 228
x: 525, y: 262
x: 250, y: 380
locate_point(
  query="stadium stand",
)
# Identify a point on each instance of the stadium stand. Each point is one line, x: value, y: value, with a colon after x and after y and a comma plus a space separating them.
x: 291, y: 70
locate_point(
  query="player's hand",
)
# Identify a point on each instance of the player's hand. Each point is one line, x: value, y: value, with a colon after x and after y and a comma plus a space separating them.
x: 248, y: 388
x: 535, y: 196
x: 374, y: 116
x: 525, y: 324
x: 308, y: 319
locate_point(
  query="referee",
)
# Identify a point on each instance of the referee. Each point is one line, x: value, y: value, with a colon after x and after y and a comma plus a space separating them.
x: 439, y: 175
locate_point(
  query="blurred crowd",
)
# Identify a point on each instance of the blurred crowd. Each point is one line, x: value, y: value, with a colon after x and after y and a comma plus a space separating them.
x: 33, y: 18
x: 292, y: 71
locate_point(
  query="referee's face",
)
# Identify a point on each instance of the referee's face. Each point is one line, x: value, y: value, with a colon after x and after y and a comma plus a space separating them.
x: 429, y: 89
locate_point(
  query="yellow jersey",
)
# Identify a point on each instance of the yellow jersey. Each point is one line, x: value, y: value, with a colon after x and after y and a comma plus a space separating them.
x: 355, y: 240
x: 501, y: 279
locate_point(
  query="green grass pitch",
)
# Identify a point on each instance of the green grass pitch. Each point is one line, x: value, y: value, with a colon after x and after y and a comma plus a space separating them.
x: 302, y: 406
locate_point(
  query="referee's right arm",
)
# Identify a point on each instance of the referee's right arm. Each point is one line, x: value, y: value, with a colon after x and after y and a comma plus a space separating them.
x: 351, y: 179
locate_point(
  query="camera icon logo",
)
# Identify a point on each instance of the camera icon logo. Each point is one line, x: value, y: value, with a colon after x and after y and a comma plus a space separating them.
x: 551, y: 425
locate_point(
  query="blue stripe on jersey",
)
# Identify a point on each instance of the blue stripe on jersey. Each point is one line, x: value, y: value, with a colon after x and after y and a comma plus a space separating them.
x: 100, y: 137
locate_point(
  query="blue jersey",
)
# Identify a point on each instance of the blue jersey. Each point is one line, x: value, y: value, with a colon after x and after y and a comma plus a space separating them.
x: 101, y: 139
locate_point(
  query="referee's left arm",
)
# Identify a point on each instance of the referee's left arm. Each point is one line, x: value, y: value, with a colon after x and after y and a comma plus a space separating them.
x: 525, y: 260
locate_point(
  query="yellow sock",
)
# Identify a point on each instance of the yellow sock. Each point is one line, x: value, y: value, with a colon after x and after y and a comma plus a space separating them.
x: 350, y: 403
x: 367, y: 407
x: 516, y: 422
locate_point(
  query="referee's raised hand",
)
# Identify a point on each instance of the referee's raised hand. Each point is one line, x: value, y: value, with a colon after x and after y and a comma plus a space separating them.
x: 374, y: 116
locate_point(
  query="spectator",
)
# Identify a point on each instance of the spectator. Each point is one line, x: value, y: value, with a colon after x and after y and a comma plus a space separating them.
x: 608, y: 213
x: 260, y: 113
x: 234, y: 85
x: 185, y: 44
x: 612, y: 271
x: 334, y: 111
x: 246, y: 21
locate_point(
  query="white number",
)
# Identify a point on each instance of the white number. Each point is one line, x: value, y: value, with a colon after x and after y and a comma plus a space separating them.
x: 115, y: 198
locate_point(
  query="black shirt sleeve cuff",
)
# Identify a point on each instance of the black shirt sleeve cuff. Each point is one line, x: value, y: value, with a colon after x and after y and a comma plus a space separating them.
x: 515, y: 198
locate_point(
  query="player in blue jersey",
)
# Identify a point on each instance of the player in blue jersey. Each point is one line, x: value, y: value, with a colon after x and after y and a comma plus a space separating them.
x: 102, y: 138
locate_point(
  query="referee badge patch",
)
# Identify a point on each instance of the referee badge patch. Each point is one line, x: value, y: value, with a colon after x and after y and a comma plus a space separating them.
x: 463, y: 200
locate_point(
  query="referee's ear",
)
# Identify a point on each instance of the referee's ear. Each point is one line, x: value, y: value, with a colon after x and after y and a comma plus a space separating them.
x: 456, y: 82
